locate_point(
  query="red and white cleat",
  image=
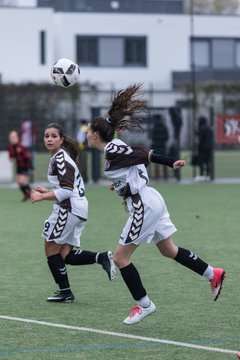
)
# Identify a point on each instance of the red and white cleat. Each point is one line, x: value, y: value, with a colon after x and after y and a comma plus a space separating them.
x: 217, y: 281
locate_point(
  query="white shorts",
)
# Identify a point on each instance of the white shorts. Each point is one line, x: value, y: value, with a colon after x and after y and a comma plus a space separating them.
x: 62, y: 227
x: 149, y: 221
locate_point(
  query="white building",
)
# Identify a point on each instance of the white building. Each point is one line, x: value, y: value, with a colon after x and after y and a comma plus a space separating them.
x: 33, y: 38
x: 117, y: 49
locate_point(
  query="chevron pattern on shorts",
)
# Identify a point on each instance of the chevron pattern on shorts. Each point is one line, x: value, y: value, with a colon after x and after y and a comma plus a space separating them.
x: 61, y: 163
x: 60, y: 224
x: 137, y: 220
x: 119, y: 149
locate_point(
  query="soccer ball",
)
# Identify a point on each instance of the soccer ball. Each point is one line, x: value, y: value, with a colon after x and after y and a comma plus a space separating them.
x: 65, y: 73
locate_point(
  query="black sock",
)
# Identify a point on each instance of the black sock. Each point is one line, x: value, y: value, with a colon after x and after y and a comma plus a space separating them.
x: 59, y: 271
x: 28, y: 188
x: 191, y: 261
x: 133, y: 281
x: 25, y: 189
x: 80, y: 257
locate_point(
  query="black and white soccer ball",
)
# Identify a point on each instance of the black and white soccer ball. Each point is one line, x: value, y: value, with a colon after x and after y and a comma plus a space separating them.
x: 65, y: 73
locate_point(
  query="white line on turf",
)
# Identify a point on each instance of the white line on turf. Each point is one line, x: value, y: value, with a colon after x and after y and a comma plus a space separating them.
x: 112, y: 333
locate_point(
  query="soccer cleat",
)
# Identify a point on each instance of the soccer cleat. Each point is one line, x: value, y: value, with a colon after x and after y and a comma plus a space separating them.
x: 217, y: 281
x: 139, y: 313
x: 61, y: 297
x: 108, y: 264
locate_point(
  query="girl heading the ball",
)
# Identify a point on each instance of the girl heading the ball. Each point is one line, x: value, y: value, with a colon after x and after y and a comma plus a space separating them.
x: 149, y: 221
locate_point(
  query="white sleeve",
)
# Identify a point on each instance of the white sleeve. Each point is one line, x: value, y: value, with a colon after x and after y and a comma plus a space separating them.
x: 62, y: 194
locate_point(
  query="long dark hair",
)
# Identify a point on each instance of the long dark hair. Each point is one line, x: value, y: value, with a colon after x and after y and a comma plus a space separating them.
x: 69, y: 143
x: 125, y: 104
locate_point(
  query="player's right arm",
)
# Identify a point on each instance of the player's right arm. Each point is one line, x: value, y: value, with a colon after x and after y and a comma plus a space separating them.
x: 36, y: 196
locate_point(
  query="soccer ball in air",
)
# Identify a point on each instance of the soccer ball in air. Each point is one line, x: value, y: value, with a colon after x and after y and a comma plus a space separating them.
x: 65, y: 73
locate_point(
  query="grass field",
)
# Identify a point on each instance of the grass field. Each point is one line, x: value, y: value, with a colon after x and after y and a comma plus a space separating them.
x: 207, y: 218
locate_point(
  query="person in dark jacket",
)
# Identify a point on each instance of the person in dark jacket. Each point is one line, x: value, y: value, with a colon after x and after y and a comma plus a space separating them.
x: 159, y: 141
x: 205, y: 148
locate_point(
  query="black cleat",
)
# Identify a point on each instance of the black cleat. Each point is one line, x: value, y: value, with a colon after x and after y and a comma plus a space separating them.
x: 108, y: 264
x: 61, y: 297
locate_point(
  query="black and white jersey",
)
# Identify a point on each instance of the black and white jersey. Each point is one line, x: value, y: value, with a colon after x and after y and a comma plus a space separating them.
x: 125, y: 167
x: 64, y: 174
x: 149, y: 220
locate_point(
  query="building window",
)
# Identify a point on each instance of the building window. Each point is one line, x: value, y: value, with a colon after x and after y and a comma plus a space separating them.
x: 215, y: 53
x: 87, y: 50
x: 223, y: 54
x: 42, y: 47
x: 201, y: 53
x: 238, y: 54
x: 135, y: 51
x: 111, y: 51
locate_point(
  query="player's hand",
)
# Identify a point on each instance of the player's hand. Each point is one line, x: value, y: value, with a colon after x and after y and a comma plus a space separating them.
x: 41, y: 189
x: 111, y: 187
x: 178, y: 164
x: 35, y: 196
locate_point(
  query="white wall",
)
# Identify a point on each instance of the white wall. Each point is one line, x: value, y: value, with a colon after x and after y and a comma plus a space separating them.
x: 20, y: 45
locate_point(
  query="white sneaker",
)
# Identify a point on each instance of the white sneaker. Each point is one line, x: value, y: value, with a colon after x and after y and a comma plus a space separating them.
x: 139, y: 313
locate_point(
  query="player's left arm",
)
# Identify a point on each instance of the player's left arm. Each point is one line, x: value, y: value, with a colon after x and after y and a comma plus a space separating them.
x: 157, y: 158
x: 126, y: 156
x: 178, y: 164
x: 120, y: 156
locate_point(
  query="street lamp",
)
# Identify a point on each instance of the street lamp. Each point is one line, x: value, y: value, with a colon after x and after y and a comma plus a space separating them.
x: 193, y: 83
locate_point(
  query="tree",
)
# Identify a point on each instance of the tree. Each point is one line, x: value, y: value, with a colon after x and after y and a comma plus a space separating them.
x: 212, y: 6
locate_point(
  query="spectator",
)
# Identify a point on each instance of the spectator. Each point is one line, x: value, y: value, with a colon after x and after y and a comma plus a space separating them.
x: 83, y: 148
x: 159, y: 142
x: 205, y: 149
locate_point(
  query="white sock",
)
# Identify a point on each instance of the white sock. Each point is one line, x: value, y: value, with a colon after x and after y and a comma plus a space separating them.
x: 209, y: 272
x: 96, y: 258
x: 144, y: 302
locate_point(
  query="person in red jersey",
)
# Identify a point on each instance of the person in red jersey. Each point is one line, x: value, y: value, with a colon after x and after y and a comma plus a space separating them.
x: 23, y: 161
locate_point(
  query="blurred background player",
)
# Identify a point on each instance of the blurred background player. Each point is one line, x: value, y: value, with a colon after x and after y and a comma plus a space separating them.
x: 63, y: 229
x: 28, y: 135
x: 23, y: 161
x: 83, y: 148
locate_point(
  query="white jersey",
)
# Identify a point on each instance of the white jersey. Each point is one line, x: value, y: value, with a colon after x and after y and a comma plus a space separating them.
x: 149, y: 220
x: 120, y: 168
x: 63, y: 173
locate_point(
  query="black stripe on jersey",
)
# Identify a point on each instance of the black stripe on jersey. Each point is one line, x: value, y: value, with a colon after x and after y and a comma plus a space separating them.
x: 64, y: 171
x: 119, y: 156
x: 60, y: 161
x: 60, y: 224
x: 118, y: 149
x: 66, y: 205
x: 137, y: 219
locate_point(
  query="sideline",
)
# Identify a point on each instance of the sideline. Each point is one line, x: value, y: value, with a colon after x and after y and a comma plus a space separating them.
x: 122, y: 335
